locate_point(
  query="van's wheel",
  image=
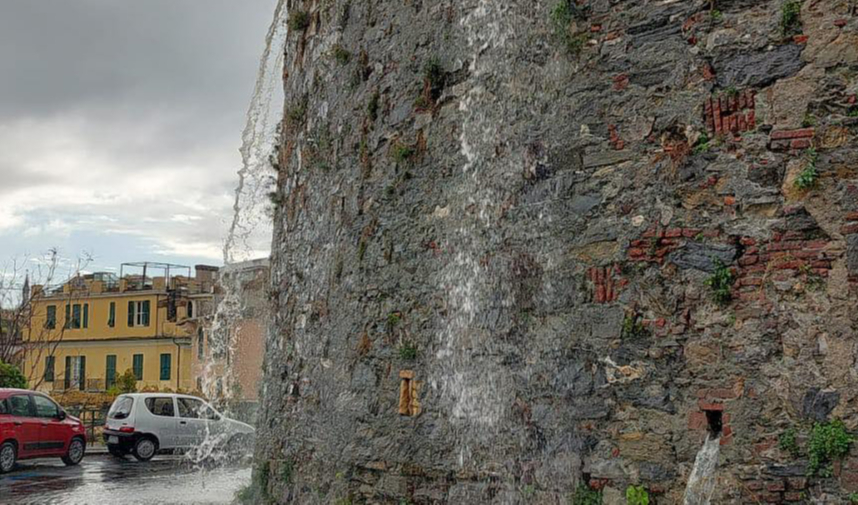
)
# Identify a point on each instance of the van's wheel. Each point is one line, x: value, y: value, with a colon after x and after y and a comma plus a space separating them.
x: 75, y: 453
x: 116, y: 451
x: 145, y: 448
x: 8, y: 455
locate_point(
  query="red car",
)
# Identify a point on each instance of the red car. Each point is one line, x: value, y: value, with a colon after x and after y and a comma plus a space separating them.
x: 33, y: 426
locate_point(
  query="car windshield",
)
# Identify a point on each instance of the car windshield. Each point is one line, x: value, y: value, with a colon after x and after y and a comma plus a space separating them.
x: 121, y: 408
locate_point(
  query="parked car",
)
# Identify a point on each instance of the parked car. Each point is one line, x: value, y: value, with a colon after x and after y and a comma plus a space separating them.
x: 32, y: 425
x: 143, y: 424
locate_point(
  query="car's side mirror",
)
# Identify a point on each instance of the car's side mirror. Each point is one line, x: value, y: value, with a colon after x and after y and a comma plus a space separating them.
x: 62, y: 415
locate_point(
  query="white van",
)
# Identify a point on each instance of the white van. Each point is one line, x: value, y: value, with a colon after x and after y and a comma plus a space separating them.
x: 145, y: 423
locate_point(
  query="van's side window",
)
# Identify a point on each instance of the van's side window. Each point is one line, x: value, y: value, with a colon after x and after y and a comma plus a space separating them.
x: 3, y: 408
x: 161, y: 406
x: 19, y: 405
x: 189, y: 408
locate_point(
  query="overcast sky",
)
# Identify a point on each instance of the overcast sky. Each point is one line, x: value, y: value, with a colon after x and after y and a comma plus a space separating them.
x: 120, y: 123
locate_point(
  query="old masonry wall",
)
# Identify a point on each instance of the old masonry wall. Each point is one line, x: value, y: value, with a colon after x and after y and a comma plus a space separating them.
x: 525, y: 248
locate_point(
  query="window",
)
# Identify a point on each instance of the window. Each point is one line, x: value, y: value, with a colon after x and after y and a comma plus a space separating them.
x: 3, y: 408
x: 137, y: 365
x: 166, y: 365
x: 138, y: 313
x: 75, y: 324
x: 111, y: 315
x: 50, y: 362
x: 20, y: 405
x: 190, y: 309
x: 161, y: 406
x: 77, y: 316
x: 45, y: 407
x: 121, y: 408
x: 189, y: 407
x: 51, y: 317
x: 200, y: 344
x: 110, y: 371
x: 75, y: 376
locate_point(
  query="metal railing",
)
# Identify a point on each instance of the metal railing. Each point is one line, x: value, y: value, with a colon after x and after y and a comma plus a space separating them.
x: 93, y: 418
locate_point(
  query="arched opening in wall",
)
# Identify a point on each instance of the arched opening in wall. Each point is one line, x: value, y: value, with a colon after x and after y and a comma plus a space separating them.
x: 715, y: 420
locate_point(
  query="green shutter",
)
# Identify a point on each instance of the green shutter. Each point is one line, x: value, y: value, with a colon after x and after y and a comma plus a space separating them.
x: 138, y: 366
x: 165, y: 366
x: 76, y: 316
x: 51, y: 317
x: 49, y: 368
x: 144, y: 319
x: 67, y: 322
x: 83, y: 373
x: 86, y: 315
x: 68, y: 373
x: 110, y: 372
x: 130, y: 314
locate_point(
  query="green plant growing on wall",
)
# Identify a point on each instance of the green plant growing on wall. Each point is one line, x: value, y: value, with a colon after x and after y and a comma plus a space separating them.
x: 341, y: 54
x: 393, y: 319
x: 702, y: 144
x: 721, y: 282
x: 852, y: 497
x: 809, y: 121
x: 637, y: 495
x: 298, y: 20
x: 408, y: 351
x: 716, y: 15
x: 787, y: 442
x: 402, y: 153
x: 633, y: 327
x: 11, y: 377
x: 564, y: 13
x: 853, y: 112
x: 809, y: 177
x: 828, y: 442
x: 791, y: 18
x: 584, y: 495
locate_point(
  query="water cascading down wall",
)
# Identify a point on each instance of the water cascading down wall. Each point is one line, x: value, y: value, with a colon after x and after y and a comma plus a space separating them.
x: 525, y: 250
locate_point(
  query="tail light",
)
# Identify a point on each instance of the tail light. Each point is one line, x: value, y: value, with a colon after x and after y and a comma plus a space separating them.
x: 127, y: 429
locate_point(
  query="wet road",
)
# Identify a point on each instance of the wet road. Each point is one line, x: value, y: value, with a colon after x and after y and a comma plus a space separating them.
x: 102, y: 479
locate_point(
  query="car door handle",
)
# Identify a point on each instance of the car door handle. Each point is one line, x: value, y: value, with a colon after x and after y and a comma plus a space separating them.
x: 183, y: 422
x: 18, y: 423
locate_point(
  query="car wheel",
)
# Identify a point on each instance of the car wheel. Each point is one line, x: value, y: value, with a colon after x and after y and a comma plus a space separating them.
x: 145, y: 448
x: 8, y: 455
x: 75, y: 453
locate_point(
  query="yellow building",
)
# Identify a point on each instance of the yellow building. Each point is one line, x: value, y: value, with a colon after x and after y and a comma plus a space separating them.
x: 94, y: 327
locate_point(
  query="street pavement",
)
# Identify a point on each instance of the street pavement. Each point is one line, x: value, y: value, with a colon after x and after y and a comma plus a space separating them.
x: 103, y: 479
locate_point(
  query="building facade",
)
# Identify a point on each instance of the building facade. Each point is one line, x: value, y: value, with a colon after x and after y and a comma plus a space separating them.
x: 85, y: 333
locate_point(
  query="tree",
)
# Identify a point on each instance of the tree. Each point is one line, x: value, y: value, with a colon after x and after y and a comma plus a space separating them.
x: 17, y: 336
x: 11, y: 377
x: 127, y: 382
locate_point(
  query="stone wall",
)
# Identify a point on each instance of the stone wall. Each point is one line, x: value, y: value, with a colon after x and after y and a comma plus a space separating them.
x: 527, y: 247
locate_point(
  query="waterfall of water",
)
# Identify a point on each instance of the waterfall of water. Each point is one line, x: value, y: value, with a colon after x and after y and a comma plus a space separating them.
x: 470, y: 379
x: 249, y: 233
x: 701, y: 482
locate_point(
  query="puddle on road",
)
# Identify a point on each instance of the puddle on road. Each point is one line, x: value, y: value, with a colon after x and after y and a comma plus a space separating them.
x: 105, y: 480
